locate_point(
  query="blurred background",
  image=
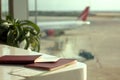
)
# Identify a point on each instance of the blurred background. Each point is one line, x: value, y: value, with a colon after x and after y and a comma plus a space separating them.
x: 100, y: 39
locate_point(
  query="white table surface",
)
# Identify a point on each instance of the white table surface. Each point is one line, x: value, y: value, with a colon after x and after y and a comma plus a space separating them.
x: 76, y: 71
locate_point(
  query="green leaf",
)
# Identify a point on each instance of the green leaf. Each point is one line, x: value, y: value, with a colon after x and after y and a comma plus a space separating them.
x: 31, y: 24
x: 19, y: 30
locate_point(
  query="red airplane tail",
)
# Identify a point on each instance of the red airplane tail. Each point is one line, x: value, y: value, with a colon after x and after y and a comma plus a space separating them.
x: 83, y: 16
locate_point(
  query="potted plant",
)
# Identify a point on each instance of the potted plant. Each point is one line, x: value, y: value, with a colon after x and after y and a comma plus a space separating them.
x: 20, y: 33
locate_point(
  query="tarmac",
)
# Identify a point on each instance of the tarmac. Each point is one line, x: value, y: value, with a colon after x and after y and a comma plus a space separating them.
x: 101, y: 38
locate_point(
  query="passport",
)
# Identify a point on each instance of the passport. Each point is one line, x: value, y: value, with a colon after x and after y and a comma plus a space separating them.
x: 48, y: 63
x: 52, y: 65
x: 18, y: 59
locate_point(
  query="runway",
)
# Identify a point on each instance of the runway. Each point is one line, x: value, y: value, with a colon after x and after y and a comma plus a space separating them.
x: 101, y: 38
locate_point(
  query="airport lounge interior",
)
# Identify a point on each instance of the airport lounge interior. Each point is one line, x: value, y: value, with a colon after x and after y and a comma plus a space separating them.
x: 51, y: 40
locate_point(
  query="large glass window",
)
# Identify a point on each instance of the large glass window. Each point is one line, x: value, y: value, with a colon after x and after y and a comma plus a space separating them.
x: 33, y: 12
x: 4, y: 8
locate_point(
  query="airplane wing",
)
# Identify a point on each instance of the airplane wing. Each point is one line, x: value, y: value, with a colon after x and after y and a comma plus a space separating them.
x: 65, y: 25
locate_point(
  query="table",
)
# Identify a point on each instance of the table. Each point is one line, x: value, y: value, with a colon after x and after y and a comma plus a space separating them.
x: 76, y: 71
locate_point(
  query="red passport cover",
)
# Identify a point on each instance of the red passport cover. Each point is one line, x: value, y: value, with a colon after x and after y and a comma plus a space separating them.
x: 52, y: 65
x: 18, y: 59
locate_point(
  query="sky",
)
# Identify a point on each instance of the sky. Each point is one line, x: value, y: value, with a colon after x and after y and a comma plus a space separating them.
x: 76, y: 5
x: 72, y: 5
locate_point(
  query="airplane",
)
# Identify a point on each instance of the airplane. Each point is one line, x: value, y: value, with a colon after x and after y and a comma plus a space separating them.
x: 54, y: 28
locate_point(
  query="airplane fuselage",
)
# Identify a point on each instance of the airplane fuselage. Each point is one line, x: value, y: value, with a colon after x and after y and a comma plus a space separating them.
x: 61, y: 25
